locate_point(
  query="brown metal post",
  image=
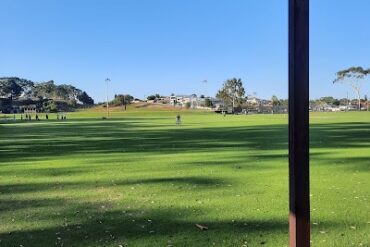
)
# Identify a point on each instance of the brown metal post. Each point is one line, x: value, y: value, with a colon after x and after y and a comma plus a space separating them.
x: 299, y: 203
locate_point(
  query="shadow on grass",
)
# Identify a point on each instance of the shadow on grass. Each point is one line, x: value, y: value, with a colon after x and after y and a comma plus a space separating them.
x: 199, y: 181
x: 12, y: 189
x: 90, y: 224
x: 149, y: 228
x: 98, y: 228
x: 48, y: 141
x: 80, y: 224
x: 11, y: 205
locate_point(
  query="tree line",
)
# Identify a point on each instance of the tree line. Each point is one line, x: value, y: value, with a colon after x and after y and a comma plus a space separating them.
x: 233, y: 92
x: 14, y: 89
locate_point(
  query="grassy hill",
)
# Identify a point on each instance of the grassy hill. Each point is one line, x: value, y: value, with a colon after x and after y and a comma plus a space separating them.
x: 143, y: 106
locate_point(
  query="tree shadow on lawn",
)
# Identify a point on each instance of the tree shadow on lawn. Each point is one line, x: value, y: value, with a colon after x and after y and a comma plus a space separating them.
x: 238, y: 162
x: 361, y: 164
x: 154, y: 227
x: 21, y: 188
x: 198, y: 181
x: 12, y: 205
x: 86, y: 224
x: 90, y: 224
x: 128, y: 137
x: 80, y: 224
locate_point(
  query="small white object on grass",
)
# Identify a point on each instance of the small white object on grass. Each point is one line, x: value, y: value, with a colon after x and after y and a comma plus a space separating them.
x: 201, y: 227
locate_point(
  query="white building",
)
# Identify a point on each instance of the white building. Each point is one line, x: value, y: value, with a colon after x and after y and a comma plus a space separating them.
x: 253, y: 100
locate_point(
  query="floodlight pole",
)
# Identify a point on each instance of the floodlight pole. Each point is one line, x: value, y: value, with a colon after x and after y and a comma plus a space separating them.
x: 204, y: 83
x: 299, y: 201
x: 107, y: 81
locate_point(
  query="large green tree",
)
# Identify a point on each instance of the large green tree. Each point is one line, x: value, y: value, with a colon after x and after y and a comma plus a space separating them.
x: 85, y: 99
x: 15, y: 86
x: 10, y: 88
x: 275, y: 103
x: 232, y: 92
x: 45, y: 90
x: 354, y: 76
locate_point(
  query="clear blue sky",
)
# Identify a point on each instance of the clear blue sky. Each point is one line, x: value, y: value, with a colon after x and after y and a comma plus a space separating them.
x: 165, y: 46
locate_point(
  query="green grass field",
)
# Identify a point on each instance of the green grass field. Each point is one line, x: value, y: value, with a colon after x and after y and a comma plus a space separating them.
x: 137, y: 179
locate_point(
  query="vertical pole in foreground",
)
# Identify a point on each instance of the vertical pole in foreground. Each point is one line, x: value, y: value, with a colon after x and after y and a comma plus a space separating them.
x: 299, y: 203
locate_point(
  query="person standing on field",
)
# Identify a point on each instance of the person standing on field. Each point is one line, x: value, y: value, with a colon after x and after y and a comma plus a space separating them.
x: 178, y: 119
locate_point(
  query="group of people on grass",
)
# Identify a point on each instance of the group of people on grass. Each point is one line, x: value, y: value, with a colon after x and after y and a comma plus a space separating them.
x: 61, y: 117
x: 28, y: 117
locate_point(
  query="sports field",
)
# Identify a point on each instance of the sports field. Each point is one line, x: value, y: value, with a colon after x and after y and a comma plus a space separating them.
x: 137, y: 179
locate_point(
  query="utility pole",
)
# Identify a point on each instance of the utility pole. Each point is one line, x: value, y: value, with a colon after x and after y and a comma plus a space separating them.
x: 107, y: 82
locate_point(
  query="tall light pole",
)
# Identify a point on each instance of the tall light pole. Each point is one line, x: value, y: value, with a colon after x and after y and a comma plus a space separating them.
x: 204, y: 83
x: 203, y: 91
x: 107, y: 82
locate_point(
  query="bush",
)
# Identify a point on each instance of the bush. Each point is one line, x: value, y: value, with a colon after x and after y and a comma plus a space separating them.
x: 51, y: 107
x: 5, y: 105
x: 122, y: 99
x: 208, y: 103
x: 151, y: 97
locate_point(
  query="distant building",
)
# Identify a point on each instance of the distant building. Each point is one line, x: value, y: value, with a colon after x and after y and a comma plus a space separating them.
x: 192, y: 100
x: 136, y: 100
x: 163, y: 100
x: 173, y: 100
x: 182, y: 100
x: 253, y: 100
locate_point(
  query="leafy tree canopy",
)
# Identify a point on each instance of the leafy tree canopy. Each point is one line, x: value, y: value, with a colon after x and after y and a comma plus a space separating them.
x: 151, y: 97
x: 17, y: 87
x: 208, y: 102
x: 10, y: 88
x: 122, y: 99
x: 353, y: 76
x: 232, y: 92
x: 85, y: 99
x: 352, y: 72
x: 275, y: 100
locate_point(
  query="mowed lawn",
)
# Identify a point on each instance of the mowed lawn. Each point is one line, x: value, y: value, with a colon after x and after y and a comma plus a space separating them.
x: 137, y: 179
